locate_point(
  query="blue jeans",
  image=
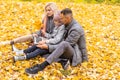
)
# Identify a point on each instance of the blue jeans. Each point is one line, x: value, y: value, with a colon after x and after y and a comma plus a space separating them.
x: 35, y: 51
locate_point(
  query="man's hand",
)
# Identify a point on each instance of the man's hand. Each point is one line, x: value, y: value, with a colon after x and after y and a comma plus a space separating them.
x: 39, y: 46
x: 44, y: 46
x: 41, y: 42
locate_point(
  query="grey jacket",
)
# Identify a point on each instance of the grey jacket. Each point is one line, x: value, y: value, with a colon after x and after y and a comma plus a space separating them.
x: 76, y: 38
x: 56, y: 36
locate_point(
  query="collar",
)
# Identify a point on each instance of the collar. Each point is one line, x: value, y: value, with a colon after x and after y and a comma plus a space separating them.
x: 70, y: 24
x: 50, y: 17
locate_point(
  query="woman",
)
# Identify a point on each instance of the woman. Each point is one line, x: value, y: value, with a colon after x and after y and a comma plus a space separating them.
x: 48, y: 25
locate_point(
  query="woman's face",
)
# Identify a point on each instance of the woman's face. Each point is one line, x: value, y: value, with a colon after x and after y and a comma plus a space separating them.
x: 49, y: 11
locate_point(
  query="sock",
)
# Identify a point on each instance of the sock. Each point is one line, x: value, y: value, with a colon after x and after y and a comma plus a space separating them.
x: 25, y: 56
x: 11, y: 42
x: 43, y: 65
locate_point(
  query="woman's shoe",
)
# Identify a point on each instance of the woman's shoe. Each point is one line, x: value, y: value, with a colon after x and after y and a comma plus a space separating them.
x: 19, y: 58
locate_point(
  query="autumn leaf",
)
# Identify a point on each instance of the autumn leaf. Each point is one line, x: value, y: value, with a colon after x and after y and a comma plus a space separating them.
x: 101, y: 23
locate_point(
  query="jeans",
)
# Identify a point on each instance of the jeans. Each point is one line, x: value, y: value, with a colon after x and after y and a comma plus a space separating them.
x: 35, y: 51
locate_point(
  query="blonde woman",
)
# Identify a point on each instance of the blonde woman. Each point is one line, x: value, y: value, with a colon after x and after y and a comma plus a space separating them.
x: 48, y: 25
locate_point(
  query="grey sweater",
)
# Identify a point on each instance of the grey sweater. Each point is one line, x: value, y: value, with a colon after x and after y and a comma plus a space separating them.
x: 56, y: 36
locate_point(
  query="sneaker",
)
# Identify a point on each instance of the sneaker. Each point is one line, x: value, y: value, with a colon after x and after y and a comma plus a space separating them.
x: 20, y: 52
x: 17, y: 58
x: 33, y: 70
x: 85, y: 59
x: 17, y: 51
x: 65, y: 64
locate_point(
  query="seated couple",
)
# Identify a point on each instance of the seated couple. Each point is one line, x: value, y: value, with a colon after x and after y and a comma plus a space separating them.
x: 67, y: 41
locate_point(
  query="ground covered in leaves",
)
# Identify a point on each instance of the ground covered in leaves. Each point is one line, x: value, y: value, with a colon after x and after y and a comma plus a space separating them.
x: 102, y: 27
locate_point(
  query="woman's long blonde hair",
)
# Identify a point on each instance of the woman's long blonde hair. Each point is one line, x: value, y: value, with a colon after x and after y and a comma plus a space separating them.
x: 53, y: 6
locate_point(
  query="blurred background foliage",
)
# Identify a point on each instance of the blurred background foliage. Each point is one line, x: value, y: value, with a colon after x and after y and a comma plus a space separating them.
x: 78, y: 1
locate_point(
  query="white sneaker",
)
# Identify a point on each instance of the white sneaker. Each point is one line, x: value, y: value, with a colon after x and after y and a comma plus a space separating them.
x: 17, y: 51
x: 19, y: 58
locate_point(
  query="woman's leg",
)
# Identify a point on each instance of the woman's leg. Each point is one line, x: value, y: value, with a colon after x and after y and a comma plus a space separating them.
x: 17, y: 40
x: 23, y: 39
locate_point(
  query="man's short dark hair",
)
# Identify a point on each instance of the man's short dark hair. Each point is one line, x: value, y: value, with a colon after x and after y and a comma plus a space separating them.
x: 66, y: 11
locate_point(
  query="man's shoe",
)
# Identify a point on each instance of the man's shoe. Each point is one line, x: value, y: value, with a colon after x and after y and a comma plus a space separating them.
x: 65, y: 64
x: 33, y: 70
x: 84, y: 59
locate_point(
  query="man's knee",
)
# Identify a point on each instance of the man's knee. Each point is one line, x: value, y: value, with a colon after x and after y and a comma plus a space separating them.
x: 65, y: 44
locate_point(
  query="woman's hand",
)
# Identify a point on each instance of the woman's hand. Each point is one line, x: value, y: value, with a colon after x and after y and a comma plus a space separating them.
x: 43, y: 31
x: 35, y: 35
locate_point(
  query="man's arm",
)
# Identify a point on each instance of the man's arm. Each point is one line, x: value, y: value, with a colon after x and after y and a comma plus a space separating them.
x: 48, y: 46
x: 52, y: 47
x: 74, y: 36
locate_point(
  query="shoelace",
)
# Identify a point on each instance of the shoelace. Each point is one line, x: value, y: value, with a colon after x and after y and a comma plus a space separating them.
x: 37, y: 65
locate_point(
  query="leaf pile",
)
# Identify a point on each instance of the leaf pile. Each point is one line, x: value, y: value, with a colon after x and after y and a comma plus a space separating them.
x: 102, y: 27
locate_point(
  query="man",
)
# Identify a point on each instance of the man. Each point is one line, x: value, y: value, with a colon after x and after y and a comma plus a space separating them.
x: 73, y: 47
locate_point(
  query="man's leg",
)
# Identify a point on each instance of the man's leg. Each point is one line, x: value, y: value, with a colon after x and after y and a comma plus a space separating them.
x: 64, y: 49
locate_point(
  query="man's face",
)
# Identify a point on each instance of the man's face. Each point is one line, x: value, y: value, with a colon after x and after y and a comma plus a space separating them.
x: 64, y: 19
x: 49, y: 11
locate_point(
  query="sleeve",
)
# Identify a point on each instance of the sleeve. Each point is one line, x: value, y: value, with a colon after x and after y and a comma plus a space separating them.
x: 52, y: 47
x: 57, y: 38
x: 47, y: 35
x: 74, y: 36
x: 38, y: 33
